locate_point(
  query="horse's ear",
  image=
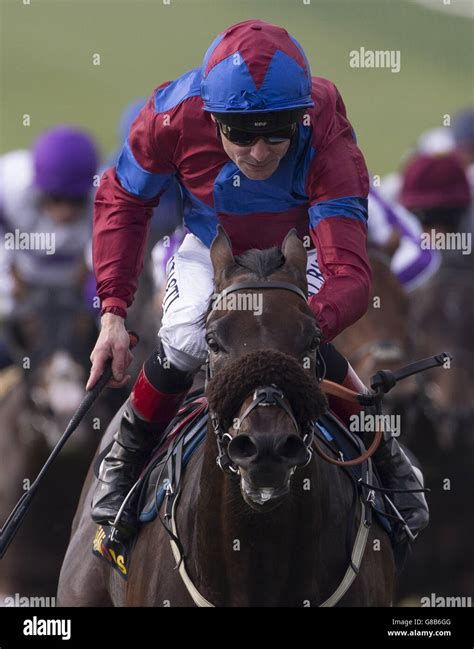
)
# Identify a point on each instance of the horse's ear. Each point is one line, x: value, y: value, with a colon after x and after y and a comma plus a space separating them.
x: 221, y: 254
x: 296, y: 258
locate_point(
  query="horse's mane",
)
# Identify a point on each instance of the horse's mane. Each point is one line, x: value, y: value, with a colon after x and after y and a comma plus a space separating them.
x: 261, y: 263
x: 232, y: 384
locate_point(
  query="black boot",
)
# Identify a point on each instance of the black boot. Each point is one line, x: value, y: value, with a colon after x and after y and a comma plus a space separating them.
x: 397, y: 472
x: 393, y: 465
x: 120, y: 469
x: 156, y: 397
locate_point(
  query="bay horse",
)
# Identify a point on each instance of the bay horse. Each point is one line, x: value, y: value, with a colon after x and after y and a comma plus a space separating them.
x: 274, y: 533
x: 383, y: 339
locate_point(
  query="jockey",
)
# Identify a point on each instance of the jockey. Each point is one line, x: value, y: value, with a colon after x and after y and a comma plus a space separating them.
x: 411, y: 264
x: 437, y: 142
x: 46, y: 194
x: 463, y: 134
x: 436, y: 189
x: 45, y: 214
x: 258, y: 145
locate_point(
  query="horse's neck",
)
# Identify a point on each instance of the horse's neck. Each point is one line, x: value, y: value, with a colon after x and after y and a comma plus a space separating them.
x: 238, y: 553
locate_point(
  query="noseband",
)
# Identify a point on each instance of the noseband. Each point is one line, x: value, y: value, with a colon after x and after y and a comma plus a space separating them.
x: 268, y: 395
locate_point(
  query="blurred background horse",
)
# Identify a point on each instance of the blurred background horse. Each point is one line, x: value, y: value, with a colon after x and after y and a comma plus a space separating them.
x: 50, y: 336
x: 441, y: 431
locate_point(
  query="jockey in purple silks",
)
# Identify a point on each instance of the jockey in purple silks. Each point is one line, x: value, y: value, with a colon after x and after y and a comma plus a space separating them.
x: 47, y: 191
x: 259, y: 145
x: 45, y: 214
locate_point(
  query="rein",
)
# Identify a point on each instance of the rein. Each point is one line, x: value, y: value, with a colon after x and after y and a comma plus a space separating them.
x: 336, y: 390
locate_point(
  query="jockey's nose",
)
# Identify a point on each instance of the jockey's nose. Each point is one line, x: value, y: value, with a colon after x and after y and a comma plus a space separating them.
x: 259, y: 150
x: 248, y: 449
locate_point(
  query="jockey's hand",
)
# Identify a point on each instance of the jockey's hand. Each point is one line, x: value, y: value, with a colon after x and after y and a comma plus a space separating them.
x: 113, y: 342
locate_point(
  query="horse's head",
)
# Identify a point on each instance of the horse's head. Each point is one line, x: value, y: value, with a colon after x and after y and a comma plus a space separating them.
x: 50, y: 334
x: 263, y: 341
x: 48, y: 320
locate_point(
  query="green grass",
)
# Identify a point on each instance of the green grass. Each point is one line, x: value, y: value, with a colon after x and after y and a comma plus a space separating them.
x: 47, y: 72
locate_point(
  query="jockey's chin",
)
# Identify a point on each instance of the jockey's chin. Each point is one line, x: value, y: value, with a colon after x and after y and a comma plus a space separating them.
x: 258, y: 171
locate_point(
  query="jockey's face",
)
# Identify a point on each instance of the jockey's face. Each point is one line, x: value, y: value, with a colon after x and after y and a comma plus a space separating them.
x: 63, y: 211
x: 466, y: 151
x: 258, y: 161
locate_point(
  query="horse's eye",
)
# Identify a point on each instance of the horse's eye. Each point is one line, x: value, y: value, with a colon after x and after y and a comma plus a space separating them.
x: 315, y: 343
x: 212, y: 344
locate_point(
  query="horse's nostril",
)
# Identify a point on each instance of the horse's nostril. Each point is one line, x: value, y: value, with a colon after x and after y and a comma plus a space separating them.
x: 292, y: 448
x: 242, y: 448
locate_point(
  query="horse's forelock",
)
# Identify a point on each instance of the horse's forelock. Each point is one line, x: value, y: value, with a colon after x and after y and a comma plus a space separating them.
x: 233, y: 383
x: 261, y: 263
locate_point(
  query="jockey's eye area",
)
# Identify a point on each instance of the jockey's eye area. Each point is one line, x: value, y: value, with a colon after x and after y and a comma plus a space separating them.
x: 58, y: 199
x: 248, y: 138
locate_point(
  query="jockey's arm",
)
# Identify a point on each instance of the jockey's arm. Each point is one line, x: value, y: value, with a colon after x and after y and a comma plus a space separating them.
x: 124, y: 205
x: 121, y: 224
x: 122, y: 210
x: 337, y: 186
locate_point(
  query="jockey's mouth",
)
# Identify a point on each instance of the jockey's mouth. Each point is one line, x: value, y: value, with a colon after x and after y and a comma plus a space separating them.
x: 259, y: 171
x: 260, y: 165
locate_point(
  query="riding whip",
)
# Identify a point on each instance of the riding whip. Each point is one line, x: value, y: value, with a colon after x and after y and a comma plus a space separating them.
x: 15, y: 519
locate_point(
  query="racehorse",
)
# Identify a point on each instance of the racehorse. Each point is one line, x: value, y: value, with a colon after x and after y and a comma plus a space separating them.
x: 382, y: 338
x: 442, y: 315
x: 273, y: 533
x: 50, y: 334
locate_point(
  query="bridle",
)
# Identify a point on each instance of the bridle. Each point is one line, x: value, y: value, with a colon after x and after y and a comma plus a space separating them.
x: 240, y: 286
x: 269, y: 395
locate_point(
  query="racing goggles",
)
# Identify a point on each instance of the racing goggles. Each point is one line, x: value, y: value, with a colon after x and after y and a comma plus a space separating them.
x: 248, y: 138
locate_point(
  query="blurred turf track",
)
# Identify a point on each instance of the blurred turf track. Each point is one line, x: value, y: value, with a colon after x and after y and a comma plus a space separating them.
x: 47, y: 49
